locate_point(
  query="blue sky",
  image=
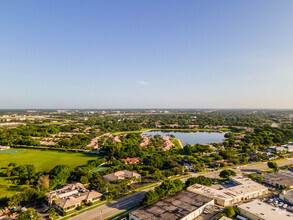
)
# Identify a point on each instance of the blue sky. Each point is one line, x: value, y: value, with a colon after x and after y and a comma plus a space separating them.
x: 146, y: 54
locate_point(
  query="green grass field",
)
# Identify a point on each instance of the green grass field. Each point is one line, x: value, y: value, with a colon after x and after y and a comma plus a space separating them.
x: 99, y: 169
x: 44, y: 160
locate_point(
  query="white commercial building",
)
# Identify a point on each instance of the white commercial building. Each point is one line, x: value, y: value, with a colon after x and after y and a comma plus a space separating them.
x: 287, y: 196
x: 244, y: 189
x: 258, y: 210
x: 281, y: 179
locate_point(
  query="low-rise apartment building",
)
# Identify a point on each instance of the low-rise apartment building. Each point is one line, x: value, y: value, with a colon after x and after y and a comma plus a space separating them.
x: 244, y: 189
x: 121, y: 175
x: 129, y: 160
x: 71, y: 196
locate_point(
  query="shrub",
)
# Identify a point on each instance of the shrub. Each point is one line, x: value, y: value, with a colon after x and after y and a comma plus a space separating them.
x: 200, y: 180
x: 229, y: 212
x: 78, y: 208
x: 226, y: 173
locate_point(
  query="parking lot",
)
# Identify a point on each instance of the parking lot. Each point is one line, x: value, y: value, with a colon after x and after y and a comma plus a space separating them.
x: 277, y: 202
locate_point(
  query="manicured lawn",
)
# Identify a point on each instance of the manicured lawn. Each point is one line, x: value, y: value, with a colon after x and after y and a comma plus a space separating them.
x: 99, y: 169
x: 279, y: 159
x: 255, y: 163
x: 7, y: 188
x: 44, y: 160
x: 205, y: 171
x: 176, y: 143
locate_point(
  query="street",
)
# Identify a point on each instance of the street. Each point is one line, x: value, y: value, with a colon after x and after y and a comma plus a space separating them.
x: 113, y: 208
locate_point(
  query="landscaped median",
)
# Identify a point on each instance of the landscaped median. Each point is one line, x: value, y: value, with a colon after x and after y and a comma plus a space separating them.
x: 76, y: 212
x: 180, y: 177
x: 204, y: 172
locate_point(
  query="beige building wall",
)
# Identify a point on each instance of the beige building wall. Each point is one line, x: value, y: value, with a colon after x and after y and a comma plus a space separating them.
x: 230, y: 202
x: 287, y: 198
x: 197, y: 212
x: 250, y: 215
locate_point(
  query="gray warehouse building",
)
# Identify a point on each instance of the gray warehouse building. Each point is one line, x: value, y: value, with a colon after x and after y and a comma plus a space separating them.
x: 183, y: 205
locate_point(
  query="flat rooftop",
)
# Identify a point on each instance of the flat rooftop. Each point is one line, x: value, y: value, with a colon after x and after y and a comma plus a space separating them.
x: 245, y: 187
x: 175, y: 206
x: 288, y: 193
x: 283, y: 176
x: 266, y: 211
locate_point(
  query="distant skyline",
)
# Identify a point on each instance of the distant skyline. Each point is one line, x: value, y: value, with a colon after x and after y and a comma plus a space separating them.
x: 146, y: 54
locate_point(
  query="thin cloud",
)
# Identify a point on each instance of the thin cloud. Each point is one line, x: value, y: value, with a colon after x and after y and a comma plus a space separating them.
x: 141, y: 82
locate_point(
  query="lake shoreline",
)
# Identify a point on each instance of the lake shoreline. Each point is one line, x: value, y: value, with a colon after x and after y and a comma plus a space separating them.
x: 191, y: 138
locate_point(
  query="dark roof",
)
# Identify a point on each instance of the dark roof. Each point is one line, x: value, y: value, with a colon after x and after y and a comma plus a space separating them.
x: 175, y: 206
x: 183, y: 162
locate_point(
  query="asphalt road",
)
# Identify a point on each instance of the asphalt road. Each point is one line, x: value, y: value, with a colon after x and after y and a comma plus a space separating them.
x: 246, y: 169
x: 113, y: 208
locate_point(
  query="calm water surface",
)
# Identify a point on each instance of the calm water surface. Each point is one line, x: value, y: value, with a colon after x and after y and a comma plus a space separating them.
x: 192, y: 137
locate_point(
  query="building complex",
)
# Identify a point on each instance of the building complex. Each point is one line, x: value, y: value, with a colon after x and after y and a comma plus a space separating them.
x: 281, y: 179
x: 71, y: 196
x: 243, y: 189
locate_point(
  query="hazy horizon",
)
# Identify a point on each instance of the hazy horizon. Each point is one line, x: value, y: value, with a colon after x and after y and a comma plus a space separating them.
x: 146, y: 54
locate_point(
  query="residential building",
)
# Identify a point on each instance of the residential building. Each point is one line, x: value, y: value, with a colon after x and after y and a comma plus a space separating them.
x: 271, y: 149
x: 167, y: 143
x: 4, y: 147
x: 181, y: 205
x: 225, y: 162
x: 116, y: 139
x: 129, y: 160
x: 71, y: 196
x: 287, y: 196
x: 243, y: 189
x: 281, y: 179
x: 186, y: 165
x: 280, y: 149
x: 145, y: 141
x: 289, y: 147
x: 120, y: 175
x: 286, y: 148
x: 258, y: 210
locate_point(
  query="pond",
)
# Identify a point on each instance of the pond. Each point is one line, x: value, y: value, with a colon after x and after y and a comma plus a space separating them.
x: 191, y: 137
